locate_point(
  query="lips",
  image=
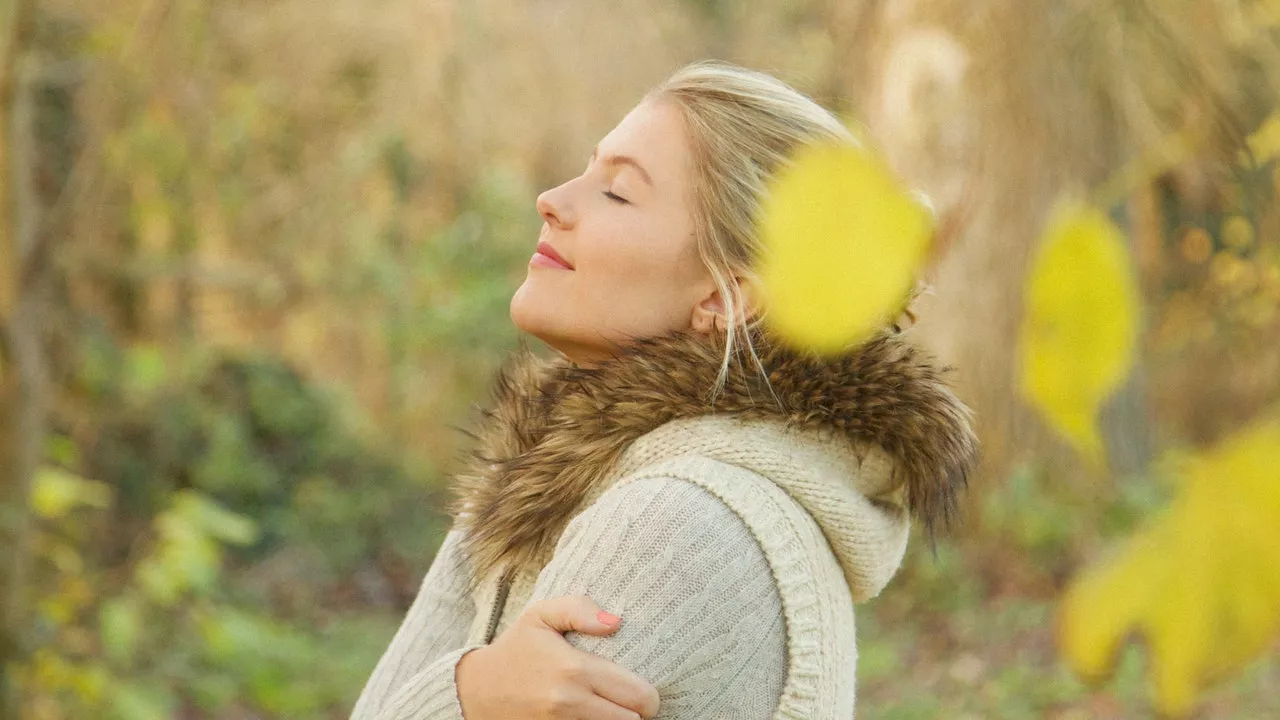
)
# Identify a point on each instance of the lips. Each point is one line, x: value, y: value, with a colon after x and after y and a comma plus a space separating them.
x: 545, y: 249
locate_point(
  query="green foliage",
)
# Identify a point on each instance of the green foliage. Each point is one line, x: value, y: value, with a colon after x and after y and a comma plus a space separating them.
x: 189, y: 548
x: 280, y: 668
x: 1026, y: 512
x: 204, y: 472
x: 254, y: 436
x: 142, y: 701
x: 120, y: 624
x: 940, y: 580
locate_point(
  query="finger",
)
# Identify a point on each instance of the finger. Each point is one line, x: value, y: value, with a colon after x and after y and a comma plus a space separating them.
x: 597, y: 708
x: 576, y: 613
x: 620, y: 686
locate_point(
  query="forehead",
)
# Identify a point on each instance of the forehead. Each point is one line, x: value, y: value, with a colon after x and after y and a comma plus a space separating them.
x: 653, y: 133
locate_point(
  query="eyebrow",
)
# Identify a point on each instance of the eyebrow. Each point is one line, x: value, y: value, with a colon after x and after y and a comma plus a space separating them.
x: 624, y: 160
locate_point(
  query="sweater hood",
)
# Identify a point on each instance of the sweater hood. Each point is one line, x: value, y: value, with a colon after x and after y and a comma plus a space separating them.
x: 872, y: 429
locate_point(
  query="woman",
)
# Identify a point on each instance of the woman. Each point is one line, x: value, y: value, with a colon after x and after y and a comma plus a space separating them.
x: 728, y: 498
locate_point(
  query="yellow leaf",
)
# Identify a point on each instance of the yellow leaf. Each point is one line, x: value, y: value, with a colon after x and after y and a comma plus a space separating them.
x: 843, y: 240
x: 55, y: 492
x: 1079, y: 323
x: 1237, y: 232
x: 1201, y: 582
x: 1264, y: 143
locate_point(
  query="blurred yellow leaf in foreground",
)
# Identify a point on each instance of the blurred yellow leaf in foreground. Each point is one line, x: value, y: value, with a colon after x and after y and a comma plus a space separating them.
x: 1080, y: 322
x: 1264, y: 143
x: 1201, y: 582
x: 843, y: 240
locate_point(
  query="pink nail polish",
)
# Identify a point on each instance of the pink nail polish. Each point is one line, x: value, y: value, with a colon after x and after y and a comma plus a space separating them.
x: 607, y: 618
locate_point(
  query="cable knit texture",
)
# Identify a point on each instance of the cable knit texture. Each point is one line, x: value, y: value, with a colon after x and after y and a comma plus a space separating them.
x: 733, y: 538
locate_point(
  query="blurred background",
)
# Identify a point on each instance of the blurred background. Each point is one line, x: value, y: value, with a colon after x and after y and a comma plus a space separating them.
x: 255, y: 260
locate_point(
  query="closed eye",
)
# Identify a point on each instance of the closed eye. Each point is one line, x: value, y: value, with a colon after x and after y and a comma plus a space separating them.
x: 615, y: 198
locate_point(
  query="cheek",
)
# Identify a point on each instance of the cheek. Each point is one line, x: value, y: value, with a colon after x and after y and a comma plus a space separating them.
x: 645, y: 262
x: 643, y: 285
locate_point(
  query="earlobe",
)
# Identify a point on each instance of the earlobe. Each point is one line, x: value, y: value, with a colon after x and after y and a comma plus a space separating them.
x: 703, y: 319
x: 709, y: 313
x: 704, y: 322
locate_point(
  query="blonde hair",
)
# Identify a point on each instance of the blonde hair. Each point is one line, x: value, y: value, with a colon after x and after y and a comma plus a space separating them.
x: 743, y: 126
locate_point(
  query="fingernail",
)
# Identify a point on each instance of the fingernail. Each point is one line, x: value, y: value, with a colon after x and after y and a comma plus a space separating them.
x: 607, y: 618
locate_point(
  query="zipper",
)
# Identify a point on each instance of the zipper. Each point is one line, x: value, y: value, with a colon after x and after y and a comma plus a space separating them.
x: 504, y: 589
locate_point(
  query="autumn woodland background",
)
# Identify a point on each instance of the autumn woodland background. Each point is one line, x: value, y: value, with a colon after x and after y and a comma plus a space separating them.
x: 255, y: 259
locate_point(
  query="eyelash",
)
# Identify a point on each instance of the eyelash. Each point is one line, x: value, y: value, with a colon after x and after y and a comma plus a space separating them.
x: 618, y: 199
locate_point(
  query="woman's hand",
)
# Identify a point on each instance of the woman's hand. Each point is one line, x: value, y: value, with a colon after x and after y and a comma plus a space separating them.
x: 531, y: 671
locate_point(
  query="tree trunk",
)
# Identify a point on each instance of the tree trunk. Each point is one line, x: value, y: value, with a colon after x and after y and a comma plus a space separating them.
x: 23, y: 383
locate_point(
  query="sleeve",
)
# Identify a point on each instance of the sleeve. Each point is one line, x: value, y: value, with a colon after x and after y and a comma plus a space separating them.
x: 415, y: 677
x: 701, y: 614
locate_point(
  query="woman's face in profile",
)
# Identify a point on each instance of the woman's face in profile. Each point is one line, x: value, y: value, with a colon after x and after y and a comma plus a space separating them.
x: 618, y: 258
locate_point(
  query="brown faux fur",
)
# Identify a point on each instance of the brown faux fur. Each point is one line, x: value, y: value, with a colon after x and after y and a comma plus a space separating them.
x: 556, y: 430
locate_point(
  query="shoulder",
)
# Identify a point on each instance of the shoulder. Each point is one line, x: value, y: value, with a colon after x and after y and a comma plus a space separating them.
x: 665, y: 508
x: 666, y: 545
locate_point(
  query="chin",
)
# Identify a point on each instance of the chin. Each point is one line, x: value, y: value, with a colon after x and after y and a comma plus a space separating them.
x: 523, y: 310
x: 548, y: 325
x: 533, y: 317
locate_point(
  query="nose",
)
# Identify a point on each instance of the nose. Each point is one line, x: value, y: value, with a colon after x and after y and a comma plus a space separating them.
x: 554, y: 208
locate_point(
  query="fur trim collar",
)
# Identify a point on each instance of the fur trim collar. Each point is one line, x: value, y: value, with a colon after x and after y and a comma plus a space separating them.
x: 556, y: 431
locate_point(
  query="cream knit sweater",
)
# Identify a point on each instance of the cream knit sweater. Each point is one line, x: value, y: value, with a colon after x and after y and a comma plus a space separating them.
x: 734, y: 550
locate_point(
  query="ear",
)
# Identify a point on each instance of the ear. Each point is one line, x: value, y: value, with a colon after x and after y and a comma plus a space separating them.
x: 710, y: 313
